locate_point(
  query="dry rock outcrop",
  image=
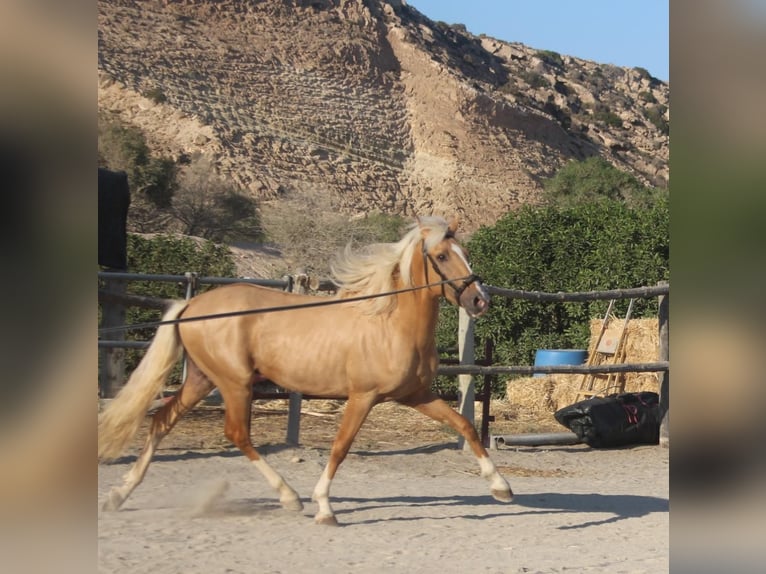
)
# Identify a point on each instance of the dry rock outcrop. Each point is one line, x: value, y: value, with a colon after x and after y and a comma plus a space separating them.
x: 370, y: 102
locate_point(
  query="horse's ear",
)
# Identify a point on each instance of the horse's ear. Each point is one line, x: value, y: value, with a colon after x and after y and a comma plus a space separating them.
x: 423, y: 231
x: 453, y: 225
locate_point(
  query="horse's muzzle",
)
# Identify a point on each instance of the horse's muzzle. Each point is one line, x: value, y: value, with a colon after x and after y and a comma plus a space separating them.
x: 475, y: 300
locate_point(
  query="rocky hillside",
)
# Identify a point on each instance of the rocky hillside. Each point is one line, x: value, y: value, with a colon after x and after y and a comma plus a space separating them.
x: 370, y: 102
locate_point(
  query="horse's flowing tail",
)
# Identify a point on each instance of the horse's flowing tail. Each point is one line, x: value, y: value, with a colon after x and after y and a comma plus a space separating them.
x: 121, y: 419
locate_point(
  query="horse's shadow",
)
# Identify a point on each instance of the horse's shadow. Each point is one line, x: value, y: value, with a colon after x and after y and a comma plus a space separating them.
x: 621, y: 506
x: 422, y: 449
x: 171, y: 454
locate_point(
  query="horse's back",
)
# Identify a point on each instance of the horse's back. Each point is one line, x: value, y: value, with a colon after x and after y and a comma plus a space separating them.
x: 232, y: 297
x: 291, y: 347
x: 326, y: 351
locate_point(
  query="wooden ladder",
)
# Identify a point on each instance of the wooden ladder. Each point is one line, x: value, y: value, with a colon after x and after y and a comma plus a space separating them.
x: 609, y: 350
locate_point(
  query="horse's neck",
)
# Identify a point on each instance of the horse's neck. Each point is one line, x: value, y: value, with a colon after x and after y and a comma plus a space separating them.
x: 417, y: 312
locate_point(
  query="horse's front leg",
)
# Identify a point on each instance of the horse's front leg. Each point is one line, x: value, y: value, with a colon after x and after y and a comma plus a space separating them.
x: 357, y: 409
x: 432, y: 406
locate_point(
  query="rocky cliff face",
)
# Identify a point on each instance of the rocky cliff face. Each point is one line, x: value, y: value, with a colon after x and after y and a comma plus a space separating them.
x: 370, y: 102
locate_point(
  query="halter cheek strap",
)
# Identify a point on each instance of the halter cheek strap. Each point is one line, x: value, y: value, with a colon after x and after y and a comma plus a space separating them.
x: 458, y: 290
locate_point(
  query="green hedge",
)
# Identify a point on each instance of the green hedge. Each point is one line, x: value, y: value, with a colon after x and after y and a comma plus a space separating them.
x: 168, y: 255
x: 595, y: 246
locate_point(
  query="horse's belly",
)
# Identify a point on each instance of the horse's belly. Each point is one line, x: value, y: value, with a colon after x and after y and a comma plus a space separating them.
x: 307, y: 372
x: 331, y: 363
x: 316, y: 384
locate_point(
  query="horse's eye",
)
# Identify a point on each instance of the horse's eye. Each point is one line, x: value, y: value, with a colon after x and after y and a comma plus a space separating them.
x: 441, y: 257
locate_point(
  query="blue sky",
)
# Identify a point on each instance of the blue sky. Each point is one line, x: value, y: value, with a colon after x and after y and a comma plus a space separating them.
x: 632, y: 33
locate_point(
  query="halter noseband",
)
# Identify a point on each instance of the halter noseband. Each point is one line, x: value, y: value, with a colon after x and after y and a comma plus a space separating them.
x: 458, y: 290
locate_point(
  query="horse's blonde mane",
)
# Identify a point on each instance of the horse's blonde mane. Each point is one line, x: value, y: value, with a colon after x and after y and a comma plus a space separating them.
x: 375, y: 268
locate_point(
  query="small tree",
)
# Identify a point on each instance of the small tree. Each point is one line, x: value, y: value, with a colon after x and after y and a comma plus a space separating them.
x: 551, y: 58
x: 152, y: 179
x: 208, y: 206
x: 310, y: 230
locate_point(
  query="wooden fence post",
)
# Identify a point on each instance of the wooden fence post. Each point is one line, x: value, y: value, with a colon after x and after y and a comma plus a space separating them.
x: 663, y: 316
x: 111, y: 374
x: 487, y: 418
x: 467, y: 394
x: 298, y: 285
x: 191, y: 291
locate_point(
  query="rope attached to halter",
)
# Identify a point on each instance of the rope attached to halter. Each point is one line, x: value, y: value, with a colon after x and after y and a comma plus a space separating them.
x: 282, y: 308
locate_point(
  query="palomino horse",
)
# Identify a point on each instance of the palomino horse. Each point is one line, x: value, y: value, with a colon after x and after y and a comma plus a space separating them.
x: 370, y: 351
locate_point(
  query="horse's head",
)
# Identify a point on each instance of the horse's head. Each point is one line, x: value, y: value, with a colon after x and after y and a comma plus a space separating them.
x: 446, y: 260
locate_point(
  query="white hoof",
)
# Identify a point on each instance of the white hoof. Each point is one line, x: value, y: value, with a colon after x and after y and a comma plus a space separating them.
x: 292, y: 504
x: 326, y: 519
x: 502, y: 495
x: 113, y: 502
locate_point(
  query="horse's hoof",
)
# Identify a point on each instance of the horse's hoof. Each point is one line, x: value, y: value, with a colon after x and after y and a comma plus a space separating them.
x: 292, y: 504
x: 502, y: 495
x: 112, y: 502
x: 326, y: 520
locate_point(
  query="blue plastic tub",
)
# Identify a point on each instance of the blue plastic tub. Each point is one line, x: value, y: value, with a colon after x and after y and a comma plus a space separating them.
x: 556, y: 357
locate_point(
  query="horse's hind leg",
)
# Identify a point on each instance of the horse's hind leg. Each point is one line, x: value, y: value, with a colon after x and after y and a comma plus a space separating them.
x: 434, y: 407
x: 195, y: 388
x: 238, y: 400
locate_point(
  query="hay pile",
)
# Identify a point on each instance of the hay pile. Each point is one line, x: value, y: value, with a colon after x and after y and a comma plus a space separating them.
x: 544, y: 395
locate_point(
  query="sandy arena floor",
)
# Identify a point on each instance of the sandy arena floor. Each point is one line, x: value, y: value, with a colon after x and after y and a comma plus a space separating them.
x: 407, y: 501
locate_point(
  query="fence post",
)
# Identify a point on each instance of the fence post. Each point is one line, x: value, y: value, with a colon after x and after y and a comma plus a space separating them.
x: 299, y: 284
x: 467, y: 394
x: 663, y: 316
x: 487, y: 418
x: 191, y: 291
x: 112, y: 360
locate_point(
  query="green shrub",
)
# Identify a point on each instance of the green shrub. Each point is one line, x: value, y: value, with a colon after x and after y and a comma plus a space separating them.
x: 152, y: 179
x: 379, y: 227
x: 592, y: 179
x: 168, y: 255
x: 656, y: 115
x: 644, y: 73
x: 310, y: 230
x: 535, y: 80
x: 562, y: 88
x: 187, y: 197
x: 156, y: 95
x: 551, y: 58
x: 509, y: 87
x: 207, y: 205
x: 561, y: 114
x: 599, y: 245
x: 608, y: 118
x: 596, y: 246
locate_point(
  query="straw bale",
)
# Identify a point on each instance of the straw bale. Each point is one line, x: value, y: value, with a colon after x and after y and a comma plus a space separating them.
x: 549, y: 393
x: 533, y: 393
x: 642, y: 342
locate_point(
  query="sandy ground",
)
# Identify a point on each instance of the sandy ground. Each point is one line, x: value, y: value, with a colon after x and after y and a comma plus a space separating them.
x: 419, y: 506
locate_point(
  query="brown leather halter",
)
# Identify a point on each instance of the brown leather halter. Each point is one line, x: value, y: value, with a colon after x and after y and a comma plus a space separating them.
x: 447, y: 281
